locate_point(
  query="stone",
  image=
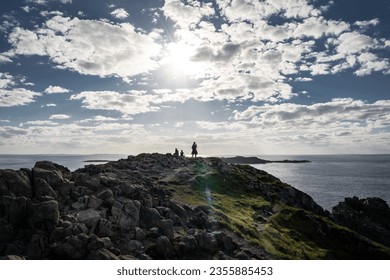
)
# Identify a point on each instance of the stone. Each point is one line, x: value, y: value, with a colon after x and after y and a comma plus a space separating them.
x: 89, y: 217
x: 126, y: 213
x: 104, y: 228
x: 42, y: 189
x: 52, y: 177
x: 46, y: 214
x: 207, y: 241
x: 83, y: 179
x: 135, y: 247
x: 140, y: 235
x: 149, y: 217
x: 17, y: 210
x: 94, y: 202
x: 166, y: 227
x: 102, y: 254
x: 15, y: 183
x: 12, y: 257
x: 164, y: 247
x: 106, y: 195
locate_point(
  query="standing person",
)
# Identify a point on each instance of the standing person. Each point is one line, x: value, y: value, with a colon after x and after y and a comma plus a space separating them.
x: 194, y: 149
x: 176, y: 152
x: 181, y: 153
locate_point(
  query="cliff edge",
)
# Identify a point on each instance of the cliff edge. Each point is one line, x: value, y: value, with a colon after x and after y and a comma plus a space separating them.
x: 155, y: 206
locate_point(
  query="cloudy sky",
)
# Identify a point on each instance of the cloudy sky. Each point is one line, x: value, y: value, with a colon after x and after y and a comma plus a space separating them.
x: 236, y: 76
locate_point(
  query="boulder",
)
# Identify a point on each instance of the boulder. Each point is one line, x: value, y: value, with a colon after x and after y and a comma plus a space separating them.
x: 126, y: 213
x: 164, y: 247
x: 207, y: 241
x: 149, y: 217
x: 89, y: 217
x: 107, y: 196
x: 83, y: 179
x: 45, y: 215
x: 140, y: 235
x: 135, y: 247
x: 17, y: 210
x: 102, y: 254
x: 15, y: 183
x: 104, y: 228
x: 166, y: 227
x: 42, y: 189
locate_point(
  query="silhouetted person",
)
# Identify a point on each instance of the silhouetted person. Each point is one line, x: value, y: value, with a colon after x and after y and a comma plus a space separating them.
x: 176, y: 152
x: 181, y: 153
x: 194, y: 150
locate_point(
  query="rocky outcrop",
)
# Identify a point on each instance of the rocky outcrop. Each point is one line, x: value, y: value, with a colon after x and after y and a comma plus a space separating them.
x: 369, y: 217
x: 154, y: 206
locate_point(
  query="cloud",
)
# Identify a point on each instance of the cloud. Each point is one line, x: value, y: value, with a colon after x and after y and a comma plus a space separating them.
x: 17, y: 97
x: 56, y: 89
x: 131, y: 103
x: 59, y: 117
x: 120, y: 13
x: 113, y: 50
x: 367, y: 23
x: 185, y: 15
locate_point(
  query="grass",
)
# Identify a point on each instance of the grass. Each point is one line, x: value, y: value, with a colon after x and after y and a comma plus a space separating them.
x: 283, y: 231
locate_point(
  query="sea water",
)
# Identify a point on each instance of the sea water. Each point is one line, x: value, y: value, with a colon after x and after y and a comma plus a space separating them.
x: 328, y: 179
x: 72, y: 162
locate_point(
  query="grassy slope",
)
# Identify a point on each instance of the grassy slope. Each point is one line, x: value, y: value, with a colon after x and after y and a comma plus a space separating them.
x: 285, y: 232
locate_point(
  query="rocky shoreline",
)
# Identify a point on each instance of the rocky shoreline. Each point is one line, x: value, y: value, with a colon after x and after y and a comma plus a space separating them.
x: 155, y: 206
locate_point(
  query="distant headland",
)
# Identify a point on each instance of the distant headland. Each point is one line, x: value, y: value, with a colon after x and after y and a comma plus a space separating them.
x: 256, y: 160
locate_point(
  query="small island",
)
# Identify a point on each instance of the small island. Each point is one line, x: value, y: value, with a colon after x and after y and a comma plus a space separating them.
x: 256, y: 160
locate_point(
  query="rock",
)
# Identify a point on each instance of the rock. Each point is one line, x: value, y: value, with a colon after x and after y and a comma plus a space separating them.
x: 166, y: 227
x: 17, y: 210
x: 104, y: 228
x: 52, y: 177
x: 126, y: 213
x: 207, y: 241
x: 89, y: 217
x: 46, y: 215
x: 43, y: 189
x: 37, y: 246
x: 83, y: 179
x: 102, y: 254
x: 107, y: 196
x: 94, y: 202
x: 135, y: 247
x: 15, y: 183
x: 164, y: 247
x: 140, y: 235
x: 149, y: 217
x: 369, y: 217
x: 6, y: 233
x: 12, y: 257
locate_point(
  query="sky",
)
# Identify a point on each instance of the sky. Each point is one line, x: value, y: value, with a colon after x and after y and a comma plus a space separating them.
x: 239, y: 77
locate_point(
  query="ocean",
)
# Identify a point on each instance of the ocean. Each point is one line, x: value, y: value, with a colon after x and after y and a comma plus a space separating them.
x: 72, y: 162
x: 328, y: 179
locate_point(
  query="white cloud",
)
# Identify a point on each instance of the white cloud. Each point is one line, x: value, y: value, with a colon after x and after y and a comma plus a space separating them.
x: 59, y: 117
x: 353, y: 42
x: 131, y: 103
x: 186, y: 14
x: 17, y: 97
x: 115, y: 50
x: 120, y: 13
x: 5, y: 80
x: 367, y: 23
x: 56, y: 89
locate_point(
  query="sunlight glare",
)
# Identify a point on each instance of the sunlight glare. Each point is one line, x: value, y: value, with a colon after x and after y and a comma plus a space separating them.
x: 178, y: 58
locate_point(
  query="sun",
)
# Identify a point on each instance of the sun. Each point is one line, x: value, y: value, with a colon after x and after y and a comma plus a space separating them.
x: 179, y: 60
